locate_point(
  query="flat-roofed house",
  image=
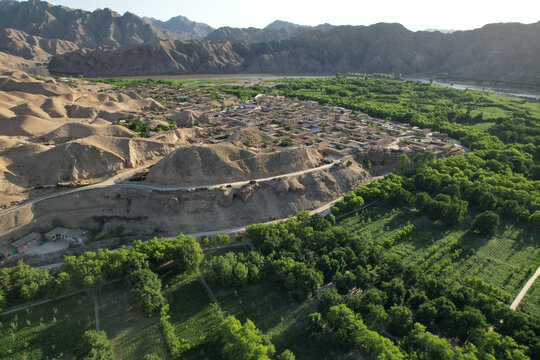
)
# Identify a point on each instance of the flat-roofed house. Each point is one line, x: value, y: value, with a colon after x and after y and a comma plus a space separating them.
x: 60, y: 233
x: 29, y: 240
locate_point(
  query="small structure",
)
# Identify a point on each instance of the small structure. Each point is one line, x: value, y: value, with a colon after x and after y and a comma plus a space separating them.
x: 60, y: 233
x: 7, y: 252
x: 29, y: 240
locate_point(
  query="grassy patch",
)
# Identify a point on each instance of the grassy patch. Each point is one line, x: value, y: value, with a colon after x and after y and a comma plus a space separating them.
x: 290, y: 333
x: 485, y: 126
x: 492, y: 112
x: 47, y: 331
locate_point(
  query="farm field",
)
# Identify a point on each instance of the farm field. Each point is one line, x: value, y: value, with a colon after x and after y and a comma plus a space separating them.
x: 194, y: 316
x: 531, y: 302
x: 505, y: 261
x: 132, y: 334
x: 47, y: 331
x: 276, y: 313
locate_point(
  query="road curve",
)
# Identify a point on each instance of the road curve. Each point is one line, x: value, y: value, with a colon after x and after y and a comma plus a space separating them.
x: 109, y: 182
x: 115, y: 181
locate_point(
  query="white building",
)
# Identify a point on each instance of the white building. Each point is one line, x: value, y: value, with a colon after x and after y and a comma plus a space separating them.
x: 60, y: 233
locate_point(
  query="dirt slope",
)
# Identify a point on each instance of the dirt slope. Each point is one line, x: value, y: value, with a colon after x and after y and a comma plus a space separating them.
x: 221, y: 163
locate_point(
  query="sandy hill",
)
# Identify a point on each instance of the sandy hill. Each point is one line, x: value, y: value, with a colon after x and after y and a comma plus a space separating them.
x: 221, y: 163
x: 55, y: 131
x: 20, y: 81
x: 31, y: 106
x: 249, y: 135
x: 75, y: 130
x: 189, y: 118
x: 93, y: 157
x: 17, y: 62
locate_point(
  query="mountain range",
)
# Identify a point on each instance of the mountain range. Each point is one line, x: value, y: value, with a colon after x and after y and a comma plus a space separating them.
x: 105, y: 43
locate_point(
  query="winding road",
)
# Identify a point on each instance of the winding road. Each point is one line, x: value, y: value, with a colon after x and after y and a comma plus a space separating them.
x: 116, y: 182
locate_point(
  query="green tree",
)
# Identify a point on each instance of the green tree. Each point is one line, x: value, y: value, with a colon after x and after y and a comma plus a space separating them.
x: 486, y: 223
x: 244, y: 342
x: 403, y: 160
x: 2, y: 300
x: 95, y: 346
x: 534, y: 219
x: 375, y: 317
x: 146, y: 289
x: 327, y: 298
x: 399, y: 320
x: 286, y: 355
x: 223, y: 239
x: 314, y: 323
x: 188, y: 255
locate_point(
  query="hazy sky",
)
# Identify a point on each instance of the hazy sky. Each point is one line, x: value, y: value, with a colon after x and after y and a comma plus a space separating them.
x: 413, y: 14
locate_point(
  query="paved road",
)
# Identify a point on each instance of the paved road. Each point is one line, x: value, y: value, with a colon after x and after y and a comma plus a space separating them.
x: 523, y: 291
x: 236, y: 183
x: 115, y: 181
x: 109, y: 182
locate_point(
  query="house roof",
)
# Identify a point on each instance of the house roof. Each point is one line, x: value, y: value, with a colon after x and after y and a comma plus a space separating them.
x: 64, y: 232
x: 25, y: 240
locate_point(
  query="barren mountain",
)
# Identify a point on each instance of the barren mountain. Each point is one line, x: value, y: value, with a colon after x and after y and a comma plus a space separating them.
x: 102, y: 27
x: 181, y: 28
x: 280, y: 24
x: 164, y: 57
x: 253, y: 35
x: 505, y: 52
x: 19, y: 43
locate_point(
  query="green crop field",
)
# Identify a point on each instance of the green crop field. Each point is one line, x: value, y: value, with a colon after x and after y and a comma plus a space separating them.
x: 275, y: 312
x: 505, y: 261
x: 47, y: 331
x: 194, y: 316
x: 531, y: 302
x: 132, y: 334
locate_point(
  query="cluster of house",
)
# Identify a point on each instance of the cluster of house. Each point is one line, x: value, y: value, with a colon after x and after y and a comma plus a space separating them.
x: 333, y: 130
x: 35, y: 239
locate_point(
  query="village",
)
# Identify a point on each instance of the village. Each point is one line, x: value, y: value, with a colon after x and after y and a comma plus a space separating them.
x: 336, y: 132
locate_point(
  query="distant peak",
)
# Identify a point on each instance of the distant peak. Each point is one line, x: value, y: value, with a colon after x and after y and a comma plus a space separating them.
x: 280, y: 24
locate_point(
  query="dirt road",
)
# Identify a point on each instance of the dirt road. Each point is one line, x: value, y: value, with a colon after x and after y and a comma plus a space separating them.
x: 523, y: 291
